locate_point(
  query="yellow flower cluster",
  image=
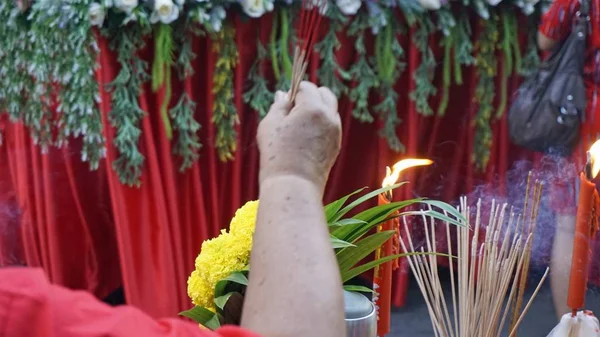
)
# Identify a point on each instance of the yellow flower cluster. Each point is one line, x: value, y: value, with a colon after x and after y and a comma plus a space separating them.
x: 219, y: 257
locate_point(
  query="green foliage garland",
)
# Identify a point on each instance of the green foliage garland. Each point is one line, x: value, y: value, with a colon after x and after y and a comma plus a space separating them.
x: 487, y: 68
x: 187, y: 144
x: 224, y: 112
x: 423, y: 75
x: 330, y: 73
x: 259, y: 97
x: 388, y: 52
x: 361, y: 71
x: 49, y: 54
x: 126, y: 114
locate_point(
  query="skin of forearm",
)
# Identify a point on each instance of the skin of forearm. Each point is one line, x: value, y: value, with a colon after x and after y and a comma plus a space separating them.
x: 295, y: 288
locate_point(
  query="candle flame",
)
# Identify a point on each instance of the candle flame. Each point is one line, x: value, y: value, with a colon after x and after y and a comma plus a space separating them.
x: 594, y: 154
x: 392, y: 175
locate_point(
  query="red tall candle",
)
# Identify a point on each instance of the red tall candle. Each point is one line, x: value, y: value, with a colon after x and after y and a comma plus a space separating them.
x: 586, y: 227
x: 383, y: 277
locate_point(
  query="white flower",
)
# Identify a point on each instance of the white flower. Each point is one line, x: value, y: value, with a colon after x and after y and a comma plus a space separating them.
x: 256, y: 8
x: 179, y: 2
x: 96, y: 14
x: 494, y: 3
x: 165, y: 11
x: 349, y: 7
x: 126, y: 5
x: 108, y: 3
x: 430, y: 4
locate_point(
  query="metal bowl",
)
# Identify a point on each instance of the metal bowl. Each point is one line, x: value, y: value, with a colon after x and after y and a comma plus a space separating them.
x: 361, y: 316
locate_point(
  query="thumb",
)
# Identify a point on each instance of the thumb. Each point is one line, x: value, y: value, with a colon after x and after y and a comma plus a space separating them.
x: 281, y: 104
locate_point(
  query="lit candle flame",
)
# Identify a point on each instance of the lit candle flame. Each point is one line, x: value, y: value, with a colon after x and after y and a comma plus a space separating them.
x: 594, y: 154
x: 392, y: 175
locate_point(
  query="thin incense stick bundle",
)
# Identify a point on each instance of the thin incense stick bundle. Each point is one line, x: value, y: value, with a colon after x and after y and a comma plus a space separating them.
x: 488, y: 277
x: 311, y: 13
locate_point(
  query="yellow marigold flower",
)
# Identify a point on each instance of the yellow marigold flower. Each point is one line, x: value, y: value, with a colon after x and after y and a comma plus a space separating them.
x: 219, y: 257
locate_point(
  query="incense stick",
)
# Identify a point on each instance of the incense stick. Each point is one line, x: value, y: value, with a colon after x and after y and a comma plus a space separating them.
x: 485, y: 274
x: 311, y: 13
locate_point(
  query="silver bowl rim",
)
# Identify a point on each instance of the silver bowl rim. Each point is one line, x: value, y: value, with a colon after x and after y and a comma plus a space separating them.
x: 372, y: 313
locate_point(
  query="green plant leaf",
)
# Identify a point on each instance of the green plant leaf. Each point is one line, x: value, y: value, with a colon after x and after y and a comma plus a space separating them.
x: 435, y: 215
x: 354, y: 272
x: 445, y: 207
x: 332, y: 208
x: 203, y: 316
x: 349, y: 257
x: 337, y: 243
x: 222, y: 300
x: 364, y: 198
x: 350, y: 221
x: 238, y: 277
x: 358, y: 289
x: 373, y: 217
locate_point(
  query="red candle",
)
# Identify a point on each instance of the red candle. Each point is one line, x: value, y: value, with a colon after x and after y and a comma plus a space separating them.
x: 382, y: 280
x: 383, y: 277
x: 586, y: 227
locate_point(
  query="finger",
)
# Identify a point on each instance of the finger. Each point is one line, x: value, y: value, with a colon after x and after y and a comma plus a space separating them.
x: 281, y: 104
x: 307, y: 94
x: 329, y: 99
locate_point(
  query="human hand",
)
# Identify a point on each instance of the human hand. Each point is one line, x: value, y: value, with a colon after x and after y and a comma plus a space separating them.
x: 301, y: 139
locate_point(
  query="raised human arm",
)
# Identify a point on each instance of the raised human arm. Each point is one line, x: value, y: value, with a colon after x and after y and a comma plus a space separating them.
x: 545, y: 43
x: 556, y: 23
x: 295, y: 288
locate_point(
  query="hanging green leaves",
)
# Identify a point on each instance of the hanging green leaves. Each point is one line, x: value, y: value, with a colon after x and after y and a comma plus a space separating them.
x: 457, y: 53
x: 126, y: 114
x: 388, y: 53
x: 161, y: 71
x: 330, y: 73
x: 361, y: 71
x: 487, y: 69
x: 423, y: 75
x: 187, y: 142
x: 259, y: 97
x: 512, y: 56
x: 225, y: 115
x: 48, y: 60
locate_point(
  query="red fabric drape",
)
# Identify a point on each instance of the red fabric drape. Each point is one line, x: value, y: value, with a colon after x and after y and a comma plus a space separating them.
x: 89, y: 231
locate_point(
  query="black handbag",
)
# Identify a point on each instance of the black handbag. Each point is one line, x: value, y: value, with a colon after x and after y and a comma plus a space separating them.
x: 549, y: 106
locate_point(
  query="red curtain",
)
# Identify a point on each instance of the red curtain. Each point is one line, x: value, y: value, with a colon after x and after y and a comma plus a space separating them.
x: 89, y: 231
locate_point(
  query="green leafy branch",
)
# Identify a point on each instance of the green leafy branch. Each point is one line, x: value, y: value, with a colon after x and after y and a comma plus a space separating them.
x: 512, y: 56
x: 457, y: 53
x: 126, y: 114
x: 161, y: 70
x: 330, y: 73
x: 259, y: 97
x: 225, y: 115
x: 388, y: 52
x: 362, y: 72
x: 423, y: 75
x: 187, y: 143
x: 487, y: 69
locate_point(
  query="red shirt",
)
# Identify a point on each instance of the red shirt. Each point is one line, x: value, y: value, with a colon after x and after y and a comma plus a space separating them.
x: 32, y: 307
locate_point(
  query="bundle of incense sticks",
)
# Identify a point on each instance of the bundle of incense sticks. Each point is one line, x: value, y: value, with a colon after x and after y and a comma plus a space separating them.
x: 311, y: 13
x: 488, y: 278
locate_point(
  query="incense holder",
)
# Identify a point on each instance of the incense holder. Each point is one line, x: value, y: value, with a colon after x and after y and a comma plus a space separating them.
x: 361, y: 316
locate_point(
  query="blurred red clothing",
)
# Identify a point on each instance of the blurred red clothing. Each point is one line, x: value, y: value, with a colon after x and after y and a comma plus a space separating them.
x: 556, y: 24
x: 32, y: 307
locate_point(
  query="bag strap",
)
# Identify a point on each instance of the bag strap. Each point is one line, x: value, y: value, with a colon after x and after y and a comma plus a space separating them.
x: 584, y: 9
